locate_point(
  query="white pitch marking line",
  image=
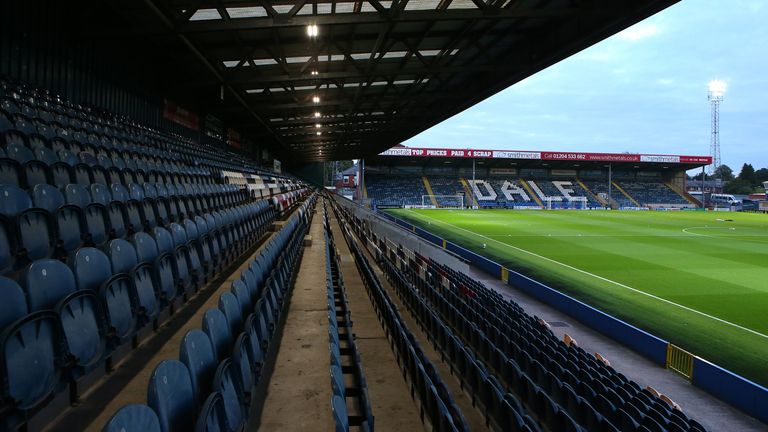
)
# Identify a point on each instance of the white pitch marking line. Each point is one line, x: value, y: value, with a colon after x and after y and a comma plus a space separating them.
x: 600, y: 277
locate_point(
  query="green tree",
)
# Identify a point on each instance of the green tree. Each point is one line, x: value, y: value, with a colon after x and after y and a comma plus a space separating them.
x: 761, y: 175
x: 724, y: 172
x: 747, y: 173
x: 738, y: 187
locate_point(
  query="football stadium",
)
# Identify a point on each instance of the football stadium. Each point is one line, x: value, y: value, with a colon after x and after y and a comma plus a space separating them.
x: 180, y: 249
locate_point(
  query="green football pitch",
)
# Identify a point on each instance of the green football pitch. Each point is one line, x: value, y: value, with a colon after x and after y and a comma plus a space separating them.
x: 697, y: 279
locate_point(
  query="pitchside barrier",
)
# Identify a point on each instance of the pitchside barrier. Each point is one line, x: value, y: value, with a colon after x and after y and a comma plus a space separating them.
x: 736, y: 390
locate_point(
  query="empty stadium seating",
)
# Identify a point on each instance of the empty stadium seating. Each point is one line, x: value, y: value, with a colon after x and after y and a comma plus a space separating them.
x: 516, y: 370
x: 106, y: 228
x: 213, y: 384
x: 494, y: 191
x: 427, y: 387
x: 345, y: 359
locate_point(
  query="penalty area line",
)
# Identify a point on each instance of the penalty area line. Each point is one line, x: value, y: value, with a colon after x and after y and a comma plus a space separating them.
x: 619, y: 284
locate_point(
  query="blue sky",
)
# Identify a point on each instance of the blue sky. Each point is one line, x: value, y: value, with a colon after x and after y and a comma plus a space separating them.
x: 643, y: 90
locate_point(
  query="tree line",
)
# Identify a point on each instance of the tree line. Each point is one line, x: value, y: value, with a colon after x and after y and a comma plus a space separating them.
x: 748, y: 181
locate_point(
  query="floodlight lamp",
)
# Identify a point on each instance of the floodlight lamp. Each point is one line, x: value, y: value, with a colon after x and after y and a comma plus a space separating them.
x: 318, y: 125
x: 317, y: 114
x: 312, y: 30
x: 717, y: 88
x: 316, y: 99
x: 319, y: 133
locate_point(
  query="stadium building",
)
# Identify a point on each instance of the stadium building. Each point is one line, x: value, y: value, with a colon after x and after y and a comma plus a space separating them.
x: 170, y: 263
x: 408, y: 177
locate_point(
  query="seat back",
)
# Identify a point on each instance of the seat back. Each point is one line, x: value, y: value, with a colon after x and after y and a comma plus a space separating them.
x: 224, y: 383
x: 171, y: 396
x: 77, y: 195
x: 231, y: 307
x: 13, y: 201
x: 92, y: 268
x: 47, y: 197
x: 196, y: 352
x: 82, y: 329
x: 146, y: 248
x: 215, y: 325
x: 213, y: 417
x: 47, y: 282
x: 135, y: 417
x: 32, y: 340
x: 36, y: 233
x: 14, y: 304
x: 122, y: 254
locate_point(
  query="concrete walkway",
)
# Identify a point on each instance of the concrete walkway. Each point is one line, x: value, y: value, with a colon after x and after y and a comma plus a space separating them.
x: 299, y: 392
x: 392, y: 405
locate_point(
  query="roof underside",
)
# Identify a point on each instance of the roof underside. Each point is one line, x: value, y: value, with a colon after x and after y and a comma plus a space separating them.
x: 378, y: 72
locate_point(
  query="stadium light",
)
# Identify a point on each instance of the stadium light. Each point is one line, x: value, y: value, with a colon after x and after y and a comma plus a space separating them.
x: 715, y: 95
x: 312, y: 30
x: 319, y: 133
x: 316, y: 99
x: 717, y: 88
x: 317, y: 114
x: 314, y: 72
x: 318, y: 125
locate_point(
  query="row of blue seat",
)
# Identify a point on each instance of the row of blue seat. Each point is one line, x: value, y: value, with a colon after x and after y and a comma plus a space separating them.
x: 75, y: 322
x: 592, y: 391
x: 345, y: 357
x: 510, y: 351
x: 436, y: 402
x: 503, y: 410
x: 465, y: 303
x: 212, y: 387
x: 54, y: 224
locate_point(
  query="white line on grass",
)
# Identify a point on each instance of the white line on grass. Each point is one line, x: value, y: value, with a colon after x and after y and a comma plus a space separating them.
x: 597, y: 276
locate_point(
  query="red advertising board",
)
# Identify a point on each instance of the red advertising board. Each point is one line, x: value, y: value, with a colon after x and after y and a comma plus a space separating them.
x: 539, y: 155
x: 181, y: 116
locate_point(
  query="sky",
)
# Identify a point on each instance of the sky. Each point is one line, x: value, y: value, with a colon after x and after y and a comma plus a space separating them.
x: 643, y: 90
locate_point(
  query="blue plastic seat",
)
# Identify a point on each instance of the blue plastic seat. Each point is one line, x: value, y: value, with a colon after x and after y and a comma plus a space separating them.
x: 243, y: 370
x: 47, y: 282
x: 31, y: 340
x: 122, y: 254
x: 77, y: 195
x: 92, y: 268
x: 196, y: 352
x: 13, y: 201
x: 231, y: 307
x: 10, y: 172
x: 36, y: 234
x: 242, y: 295
x: 120, y: 315
x: 19, y: 152
x: 100, y: 193
x: 14, y: 304
x: 133, y: 418
x: 83, y: 331
x: 47, y: 197
x: 213, y: 417
x: 117, y: 220
x: 171, y: 396
x: 144, y: 292
x: 224, y: 383
x: 340, y: 416
x: 119, y: 192
x: 215, y: 325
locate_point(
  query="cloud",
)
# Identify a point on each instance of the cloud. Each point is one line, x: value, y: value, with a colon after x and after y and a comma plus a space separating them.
x: 639, y: 31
